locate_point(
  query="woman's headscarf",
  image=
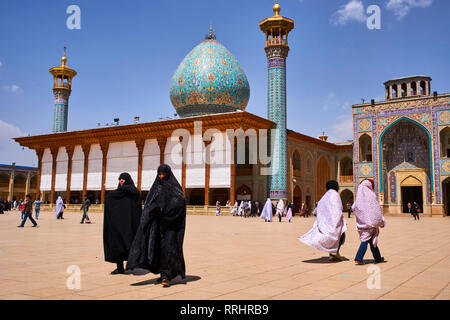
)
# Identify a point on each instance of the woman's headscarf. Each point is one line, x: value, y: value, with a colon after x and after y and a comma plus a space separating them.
x: 368, y: 213
x: 167, y: 194
x: 128, y: 180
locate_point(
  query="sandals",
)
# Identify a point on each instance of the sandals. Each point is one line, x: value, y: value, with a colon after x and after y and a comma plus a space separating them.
x: 165, y: 283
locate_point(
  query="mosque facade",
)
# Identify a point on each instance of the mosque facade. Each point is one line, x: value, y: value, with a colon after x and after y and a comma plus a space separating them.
x: 403, y: 144
x: 220, y: 152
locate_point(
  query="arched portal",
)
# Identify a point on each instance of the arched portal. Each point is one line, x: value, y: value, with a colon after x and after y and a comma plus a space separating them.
x: 346, y: 197
x: 406, y: 154
x: 323, y: 175
x: 243, y: 193
x: 4, y: 185
x: 297, y: 199
x: 446, y: 196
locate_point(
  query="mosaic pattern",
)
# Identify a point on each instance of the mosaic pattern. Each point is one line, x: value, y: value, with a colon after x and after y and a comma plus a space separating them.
x: 444, y: 117
x: 276, y: 110
x: 393, y: 187
x: 61, y: 110
x: 365, y: 169
x: 209, y: 80
x: 445, y: 167
x: 364, y: 125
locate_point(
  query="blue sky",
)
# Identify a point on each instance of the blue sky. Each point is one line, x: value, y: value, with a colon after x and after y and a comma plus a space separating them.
x: 127, y: 51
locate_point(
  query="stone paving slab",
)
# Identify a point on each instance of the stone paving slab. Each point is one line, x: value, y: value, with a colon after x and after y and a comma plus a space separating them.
x: 226, y: 258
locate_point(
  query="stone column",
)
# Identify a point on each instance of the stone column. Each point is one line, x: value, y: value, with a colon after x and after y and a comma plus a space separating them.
x: 183, y: 165
x: 39, y: 154
x: 140, y: 143
x: 69, y: 150
x: 27, y: 183
x: 207, y: 171
x: 86, y: 149
x: 54, y: 152
x: 104, y: 146
x: 276, y: 106
x: 162, y: 147
x: 11, y: 184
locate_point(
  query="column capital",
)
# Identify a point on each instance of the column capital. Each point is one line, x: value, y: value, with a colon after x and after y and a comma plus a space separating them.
x: 104, y: 146
x: 54, y: 152
x: 274, y: 52
x: 140, y: 143
x: 86, y: 149
x: 70, y: 149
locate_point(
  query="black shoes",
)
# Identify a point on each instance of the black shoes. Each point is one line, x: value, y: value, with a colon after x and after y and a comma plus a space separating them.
x: 379, y: 261
x: 118, y: 271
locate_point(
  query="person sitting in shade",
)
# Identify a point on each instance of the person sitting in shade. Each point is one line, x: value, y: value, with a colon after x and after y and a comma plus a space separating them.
x: 328, y: 232
x: 369, y: 218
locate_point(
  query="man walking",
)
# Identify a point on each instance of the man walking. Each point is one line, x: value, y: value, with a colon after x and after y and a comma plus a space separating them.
x: 85, y: 207
x: 28, y: 209
x: 37, y: 208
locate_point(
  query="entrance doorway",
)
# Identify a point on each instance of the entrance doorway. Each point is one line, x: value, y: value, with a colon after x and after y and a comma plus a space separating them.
x: 297, y: 199
x: 411, y: 195
x: 446, y: 196
x: 196, y: 197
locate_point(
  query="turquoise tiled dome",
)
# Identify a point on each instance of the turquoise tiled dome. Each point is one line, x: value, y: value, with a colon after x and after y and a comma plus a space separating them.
x: 209, y: 80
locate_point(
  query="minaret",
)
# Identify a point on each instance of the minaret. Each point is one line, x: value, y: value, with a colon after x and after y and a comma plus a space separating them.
x: 62, y: 87
x: 277, y: 29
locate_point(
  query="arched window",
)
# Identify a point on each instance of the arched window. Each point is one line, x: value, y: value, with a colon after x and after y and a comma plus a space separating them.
x: 423, y: 89
x: 296, y: 161
x: 365, y: 148
x: 444, y: 138
x: 404, y: 89
x: 413, y: 88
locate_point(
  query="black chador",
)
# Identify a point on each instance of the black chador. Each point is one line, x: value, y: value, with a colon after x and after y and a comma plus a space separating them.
x: 121, y: 220
x: 158, y: 245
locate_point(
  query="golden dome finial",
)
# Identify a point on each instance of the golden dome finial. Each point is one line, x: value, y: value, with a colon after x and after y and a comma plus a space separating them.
x: 276, y: 8
x: 64, y: 59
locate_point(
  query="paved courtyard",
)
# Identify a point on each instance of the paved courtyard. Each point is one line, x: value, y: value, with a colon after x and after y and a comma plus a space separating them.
x: 227, y: 258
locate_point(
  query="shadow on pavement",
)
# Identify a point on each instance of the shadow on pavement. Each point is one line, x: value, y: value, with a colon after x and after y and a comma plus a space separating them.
x: 175, y: 281
x: 324, y: 260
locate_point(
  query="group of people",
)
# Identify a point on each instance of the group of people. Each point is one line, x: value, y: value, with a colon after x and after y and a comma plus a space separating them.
x: 280, y: 210
x: 328, y: 232
x: 5, y: 206
x: 245, y: 208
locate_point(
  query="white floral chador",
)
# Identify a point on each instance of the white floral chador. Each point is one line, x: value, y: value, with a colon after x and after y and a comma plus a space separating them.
x: 329, y: 225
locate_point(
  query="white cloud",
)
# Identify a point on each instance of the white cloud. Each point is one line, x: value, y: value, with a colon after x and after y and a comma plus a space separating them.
x: 402, y: 7
x: 1, y: 64
x: 352, y: 11
x: 342, y: 129
x: 11, y: 151
x: 13, y: 89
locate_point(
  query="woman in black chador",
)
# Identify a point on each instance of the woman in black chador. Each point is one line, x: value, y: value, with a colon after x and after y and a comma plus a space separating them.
x: 121, y: 220
x: 158, y: 245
